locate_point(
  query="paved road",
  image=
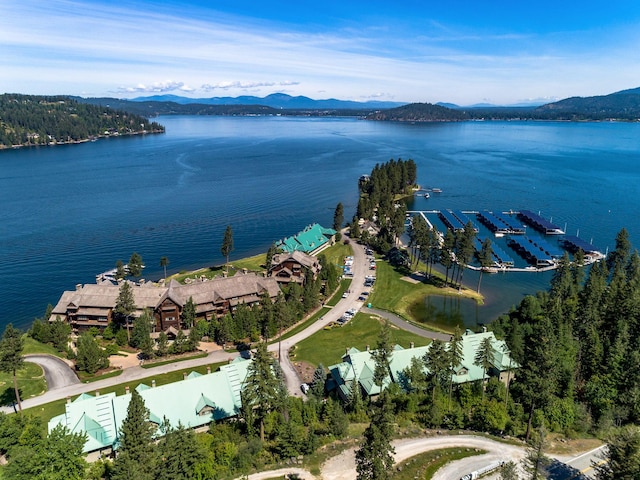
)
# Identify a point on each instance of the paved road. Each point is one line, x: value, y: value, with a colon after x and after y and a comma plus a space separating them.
x: 409, y: 327
x: 56, y: 371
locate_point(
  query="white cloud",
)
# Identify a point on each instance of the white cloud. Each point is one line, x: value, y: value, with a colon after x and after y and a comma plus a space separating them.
x: 157, y: 87
x: 207, y: 87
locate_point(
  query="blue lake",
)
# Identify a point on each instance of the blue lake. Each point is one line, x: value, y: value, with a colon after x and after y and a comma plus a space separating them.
x: 69, y: 212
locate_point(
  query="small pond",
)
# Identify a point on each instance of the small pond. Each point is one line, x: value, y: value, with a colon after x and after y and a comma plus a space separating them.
x: 447, y: 311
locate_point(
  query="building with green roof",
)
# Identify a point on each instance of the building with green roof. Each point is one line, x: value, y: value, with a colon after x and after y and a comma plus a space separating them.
x: 311, y: 240
x: 193, y: 402
x: 360, y: 366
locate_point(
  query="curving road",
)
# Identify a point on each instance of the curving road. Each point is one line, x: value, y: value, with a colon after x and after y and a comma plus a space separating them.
x: 57, y: 372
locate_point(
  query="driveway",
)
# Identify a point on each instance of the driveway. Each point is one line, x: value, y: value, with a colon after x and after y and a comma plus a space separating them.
x: 57, y: 373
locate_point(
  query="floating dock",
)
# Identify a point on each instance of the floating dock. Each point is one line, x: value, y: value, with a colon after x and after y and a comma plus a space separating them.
x: 450, y: 220
x: 500, y: 258
x: 464, y: 219
x: 499, y: 225
x: 531, y: 252
x: 574, y: 243
x: 539, y: 223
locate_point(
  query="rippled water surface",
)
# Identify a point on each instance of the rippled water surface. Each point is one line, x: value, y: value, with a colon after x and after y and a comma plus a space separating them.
x: 70, y: 212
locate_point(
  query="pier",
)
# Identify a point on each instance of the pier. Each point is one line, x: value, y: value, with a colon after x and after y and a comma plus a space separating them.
x: 499, y: 225
x: 530, y: 251
x: 500, y: 258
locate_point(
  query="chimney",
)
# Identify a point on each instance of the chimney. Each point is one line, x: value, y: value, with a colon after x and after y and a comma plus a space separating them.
x: 184, y: 375
x: 411, y: 345
x: 78, y: 286
x: 367, y: 348
x: 346, y: 351
x: 97, y: 393
x: 208, y: 370
x: 126, y: 390
x: 68, y: 399
x: 484, y: 329
x: 153, y: 383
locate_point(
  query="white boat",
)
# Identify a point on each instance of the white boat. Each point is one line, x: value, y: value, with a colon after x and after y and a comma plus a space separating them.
x: 426, y: 195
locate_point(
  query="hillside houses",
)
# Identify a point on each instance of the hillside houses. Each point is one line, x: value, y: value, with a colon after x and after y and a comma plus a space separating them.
x: 92, y: 305
x: 311, y: 240
x: 292, y: 267
x: 360, y: 366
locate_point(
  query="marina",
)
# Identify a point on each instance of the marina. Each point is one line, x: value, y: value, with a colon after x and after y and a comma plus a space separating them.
x: 538, y: 251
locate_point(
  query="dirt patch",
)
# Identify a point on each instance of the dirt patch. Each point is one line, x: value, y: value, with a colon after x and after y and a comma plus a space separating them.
x: 559, y: 445
x: 410, y: 279
x: 304, y: 370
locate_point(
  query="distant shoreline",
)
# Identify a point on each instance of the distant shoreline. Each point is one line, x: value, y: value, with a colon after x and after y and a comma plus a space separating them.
x: 92, y: 138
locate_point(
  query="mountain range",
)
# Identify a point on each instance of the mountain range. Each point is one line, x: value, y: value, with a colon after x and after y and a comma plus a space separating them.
x: 275, y: 100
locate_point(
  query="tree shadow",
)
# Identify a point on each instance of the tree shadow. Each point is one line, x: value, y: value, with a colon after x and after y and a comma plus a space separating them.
x: 558, y: 470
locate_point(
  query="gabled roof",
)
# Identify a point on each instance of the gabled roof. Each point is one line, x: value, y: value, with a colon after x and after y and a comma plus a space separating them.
x: 361, y: 365
x: 181, y: 402
x: 308, y: 240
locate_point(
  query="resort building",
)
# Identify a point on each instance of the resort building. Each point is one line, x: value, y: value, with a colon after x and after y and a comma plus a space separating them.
x: 93, y: 305
x: 311, y: 240
x: 193, y: 402
x: 360, y: 366
x: 293, y: 267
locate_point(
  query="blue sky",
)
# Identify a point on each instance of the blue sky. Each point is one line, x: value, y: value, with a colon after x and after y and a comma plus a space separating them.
x: 459, y: 51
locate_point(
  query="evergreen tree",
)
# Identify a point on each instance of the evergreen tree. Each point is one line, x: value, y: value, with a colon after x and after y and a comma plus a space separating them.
x: 90, y: 357
x: 484, y: 358
x: 162, y: 344
x: 135, y: 265
x: 485, y: 258
x: 621, y: 456
x: 455, y: 356
x: 382, y: 355
x: 437, y: 361
x: 179, y: 453
x: 262, y: 390
x: 446, y: 253
x: 189, y: 313
x: 11, y: 358
x: 136, y: 457
x: 535, y: 462
x: 227, y: 245
x: 120, y: 271
x: 318, y: 381
x: 141, y: 332
x: 125, y: 305
x: 164, y: 261
x: 57, y: 456
x: 338, y: 217
x: 270, y: 253
x: 374, y: 458
x: 509, y: 471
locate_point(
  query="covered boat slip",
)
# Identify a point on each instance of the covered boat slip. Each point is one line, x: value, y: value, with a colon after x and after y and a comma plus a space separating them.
x: 530, y: 251
x: 500, y: 258
x: 499, y: 223
x: 539, y: 223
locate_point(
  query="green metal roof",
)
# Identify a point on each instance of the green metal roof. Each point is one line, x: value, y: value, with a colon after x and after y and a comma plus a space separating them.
x: 308, y: 240
x: 361, y: 364
x: 179, y: 402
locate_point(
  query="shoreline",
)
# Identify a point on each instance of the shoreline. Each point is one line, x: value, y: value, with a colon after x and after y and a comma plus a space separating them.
x: 92, y: 138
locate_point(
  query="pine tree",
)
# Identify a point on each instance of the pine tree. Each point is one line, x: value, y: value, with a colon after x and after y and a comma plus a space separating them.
x: 374, y: 458
x: 382, y: 355
x: 621, y: 456
x: 179, y: 453
x: 137, y: 456
x: 125, y: 305
x: 262, y: 391
x: 485, y: 258
x: 227, y: 245
x: 437, y: 362
x: 11, y: 358
x: 189, y: 313
x: 455, y: 355
x: 164, y: 261
x: 338, y: 217
x: 484, y: 358
x: 135, y: 265
x: 535, y: 460
x: 90, y: 357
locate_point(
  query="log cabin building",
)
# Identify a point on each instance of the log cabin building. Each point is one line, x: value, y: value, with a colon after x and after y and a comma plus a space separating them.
x: 292, y: 267
x: 92, y: 305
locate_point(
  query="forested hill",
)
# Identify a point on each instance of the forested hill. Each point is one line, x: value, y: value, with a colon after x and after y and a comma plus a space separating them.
x: 28, y: 120
x: 624, y: 105
x: 420, y: 112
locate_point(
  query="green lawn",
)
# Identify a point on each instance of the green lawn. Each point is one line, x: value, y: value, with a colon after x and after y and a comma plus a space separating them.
x: 335, y: 254
x: 399, y: 296
x: 32, y: 346
x: 252, y: 264
x: 31, y: 383
x: 345, y: 283
x: 328, y: 346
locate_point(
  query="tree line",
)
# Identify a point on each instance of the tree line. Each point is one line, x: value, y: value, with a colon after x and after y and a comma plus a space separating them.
x: 29, y: 120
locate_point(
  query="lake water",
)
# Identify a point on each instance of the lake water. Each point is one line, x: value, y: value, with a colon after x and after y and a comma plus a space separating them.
x: 69, y: 212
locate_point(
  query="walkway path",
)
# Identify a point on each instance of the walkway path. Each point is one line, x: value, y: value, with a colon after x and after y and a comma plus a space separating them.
x: 409, y: 327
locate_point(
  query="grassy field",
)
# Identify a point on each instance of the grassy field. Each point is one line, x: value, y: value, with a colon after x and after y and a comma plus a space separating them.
x: 396, y: 295
x: 327, y: 346
x: 252, y: 264
x: 335, y: 254
x: 32, y: 346
x: 31, y: 383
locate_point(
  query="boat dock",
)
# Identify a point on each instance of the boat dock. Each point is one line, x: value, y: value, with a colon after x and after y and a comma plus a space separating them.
x: 497, y: 224
x: 450, y: 220
x: 531, y: 252
x: 500, y: 258
x: 464, y: 220
x: 573, y: 243
x: 539, y: 223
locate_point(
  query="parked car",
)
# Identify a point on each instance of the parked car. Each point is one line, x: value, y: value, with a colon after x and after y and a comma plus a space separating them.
x: 305, y: 388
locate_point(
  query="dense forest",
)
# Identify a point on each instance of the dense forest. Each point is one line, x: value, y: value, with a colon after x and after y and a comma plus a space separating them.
x: 28, y: 120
